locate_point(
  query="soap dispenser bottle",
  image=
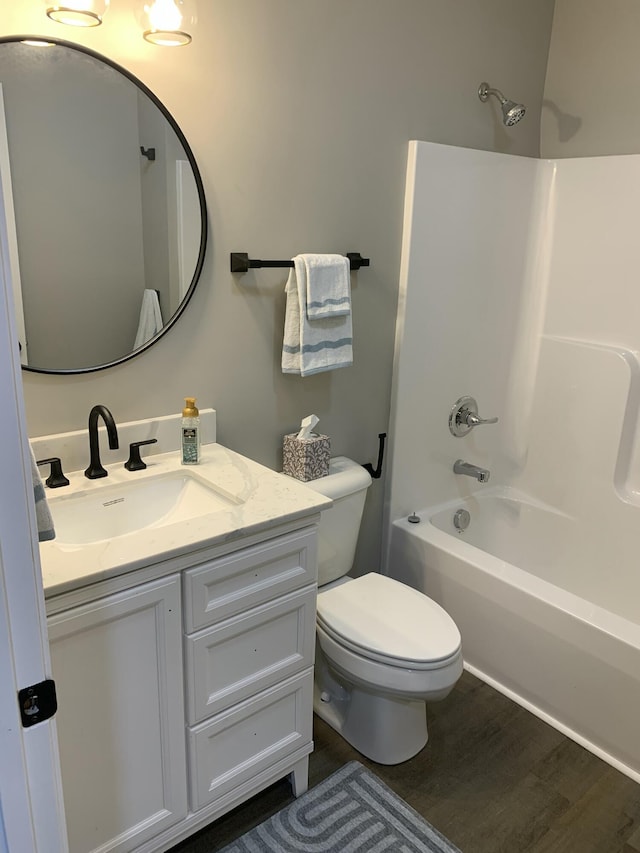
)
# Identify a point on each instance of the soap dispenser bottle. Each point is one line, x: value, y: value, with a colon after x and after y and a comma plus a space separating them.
x: 190, y: 432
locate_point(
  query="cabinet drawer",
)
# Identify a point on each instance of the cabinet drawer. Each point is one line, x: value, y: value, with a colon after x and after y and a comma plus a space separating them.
x: 247, y: 578
x: 249, y: 653
x: 236, y: 745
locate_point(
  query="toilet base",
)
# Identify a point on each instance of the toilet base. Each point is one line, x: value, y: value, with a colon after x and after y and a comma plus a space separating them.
x: 386, y: 729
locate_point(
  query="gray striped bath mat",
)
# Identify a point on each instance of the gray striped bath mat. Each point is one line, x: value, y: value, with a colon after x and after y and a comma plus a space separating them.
x: 352, y: 811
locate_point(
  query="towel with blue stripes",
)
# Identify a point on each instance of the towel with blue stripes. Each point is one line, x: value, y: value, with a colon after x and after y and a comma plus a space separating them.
x: 328, y: 286
x: 318, y: 332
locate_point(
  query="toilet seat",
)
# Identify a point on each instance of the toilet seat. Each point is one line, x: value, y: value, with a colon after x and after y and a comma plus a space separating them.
x: 386, y: 621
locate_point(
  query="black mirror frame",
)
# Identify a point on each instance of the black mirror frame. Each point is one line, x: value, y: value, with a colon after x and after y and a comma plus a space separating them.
x: 199, y: 185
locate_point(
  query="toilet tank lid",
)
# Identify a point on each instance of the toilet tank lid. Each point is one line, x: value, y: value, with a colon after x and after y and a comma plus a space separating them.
x: 345, y: 477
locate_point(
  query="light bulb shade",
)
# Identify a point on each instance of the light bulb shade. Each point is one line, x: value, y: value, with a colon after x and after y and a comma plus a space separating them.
x: 78, y: 13
x: 168, y: 23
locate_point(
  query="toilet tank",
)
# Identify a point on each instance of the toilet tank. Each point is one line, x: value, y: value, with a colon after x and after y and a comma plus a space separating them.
x: 346, y: 484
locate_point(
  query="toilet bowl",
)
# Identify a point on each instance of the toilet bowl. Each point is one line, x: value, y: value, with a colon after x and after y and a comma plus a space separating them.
x: 383, y: 649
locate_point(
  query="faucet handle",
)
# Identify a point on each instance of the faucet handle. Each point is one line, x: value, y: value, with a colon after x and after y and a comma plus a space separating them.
x: 473, y: 420
x: 134, y: 462
x: 56, y: 478
x: 464, y: 417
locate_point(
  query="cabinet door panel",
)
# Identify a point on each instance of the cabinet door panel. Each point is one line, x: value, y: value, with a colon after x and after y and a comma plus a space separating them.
x: 247, y: 578
x: 117, y: 664
x: 238, y: 744
x: 247, y: 654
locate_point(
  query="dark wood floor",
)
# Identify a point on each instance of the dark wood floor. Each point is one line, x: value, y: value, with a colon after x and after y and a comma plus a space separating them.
x: 493, y: 778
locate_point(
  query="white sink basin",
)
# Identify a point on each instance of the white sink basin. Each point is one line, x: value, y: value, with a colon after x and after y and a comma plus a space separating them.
x: 106, y: 512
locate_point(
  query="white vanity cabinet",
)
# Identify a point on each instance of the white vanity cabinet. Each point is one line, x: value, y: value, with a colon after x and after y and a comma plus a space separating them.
x: 117, y: 664
x: 249, y: 646
x: 183, y: 695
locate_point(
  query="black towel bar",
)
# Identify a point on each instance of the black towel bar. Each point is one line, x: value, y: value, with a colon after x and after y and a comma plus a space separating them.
x: 241, y: 262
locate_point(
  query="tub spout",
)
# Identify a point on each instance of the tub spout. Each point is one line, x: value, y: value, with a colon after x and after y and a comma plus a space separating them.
x: 481, y: 474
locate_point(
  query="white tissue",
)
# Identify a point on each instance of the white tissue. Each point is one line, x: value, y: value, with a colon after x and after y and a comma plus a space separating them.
x: 306, y: 426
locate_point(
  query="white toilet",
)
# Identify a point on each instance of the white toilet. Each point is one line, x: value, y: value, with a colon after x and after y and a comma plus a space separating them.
x: 383, y: 649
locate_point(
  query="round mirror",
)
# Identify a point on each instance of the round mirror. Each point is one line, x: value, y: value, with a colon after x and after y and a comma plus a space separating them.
x: 104, y: 204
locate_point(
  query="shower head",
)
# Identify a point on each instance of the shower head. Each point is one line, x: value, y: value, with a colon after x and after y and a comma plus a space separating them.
x: 511, y: 112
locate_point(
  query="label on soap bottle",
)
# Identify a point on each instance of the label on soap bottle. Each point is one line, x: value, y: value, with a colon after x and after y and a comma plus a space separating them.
x: 190, y: 446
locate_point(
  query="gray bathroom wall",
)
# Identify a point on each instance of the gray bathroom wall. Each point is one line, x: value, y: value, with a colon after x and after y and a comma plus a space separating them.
x: 591, y: 93
x: 299, y: 115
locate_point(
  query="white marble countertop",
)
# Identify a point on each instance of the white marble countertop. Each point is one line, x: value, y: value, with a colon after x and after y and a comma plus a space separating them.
x: 261, y: 499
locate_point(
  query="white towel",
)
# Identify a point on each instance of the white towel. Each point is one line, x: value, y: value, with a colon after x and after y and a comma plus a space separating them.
x: 328, y: 286
x: 150, y: 318
x: 43, y: 513
x: 312, y: 346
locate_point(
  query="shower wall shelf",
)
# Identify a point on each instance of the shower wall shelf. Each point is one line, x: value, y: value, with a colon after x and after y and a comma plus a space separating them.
x: 241, y: 262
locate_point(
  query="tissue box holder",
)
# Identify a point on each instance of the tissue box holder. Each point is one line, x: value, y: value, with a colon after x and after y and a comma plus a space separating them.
x: 306, y: 458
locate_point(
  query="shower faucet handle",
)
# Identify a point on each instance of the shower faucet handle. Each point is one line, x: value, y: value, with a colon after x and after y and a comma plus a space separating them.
x: 464, y: 417
x: 474, y: 420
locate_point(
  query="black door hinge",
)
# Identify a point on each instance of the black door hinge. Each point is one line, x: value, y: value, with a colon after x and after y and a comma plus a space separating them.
x: 38, y: 702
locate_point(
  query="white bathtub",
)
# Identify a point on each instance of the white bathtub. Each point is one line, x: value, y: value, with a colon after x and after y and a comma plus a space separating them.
x: 518, y: 583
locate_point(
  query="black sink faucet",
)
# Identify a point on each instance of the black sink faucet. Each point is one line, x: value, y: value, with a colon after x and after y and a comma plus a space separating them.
x: 95, y: 469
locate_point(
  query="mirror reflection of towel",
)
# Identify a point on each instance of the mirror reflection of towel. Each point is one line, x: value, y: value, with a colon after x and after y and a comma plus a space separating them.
x: 150, y: 318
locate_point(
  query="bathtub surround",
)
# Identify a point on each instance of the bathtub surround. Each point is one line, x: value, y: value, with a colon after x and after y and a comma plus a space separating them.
x: 548, y: 559
x: 471, y: 252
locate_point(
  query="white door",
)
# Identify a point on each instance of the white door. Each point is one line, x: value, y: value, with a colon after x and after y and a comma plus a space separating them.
x: 31, y: 809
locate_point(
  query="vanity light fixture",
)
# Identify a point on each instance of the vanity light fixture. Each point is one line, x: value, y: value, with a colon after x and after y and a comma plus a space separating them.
x: 78, y: 13
x: 167, y: 23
